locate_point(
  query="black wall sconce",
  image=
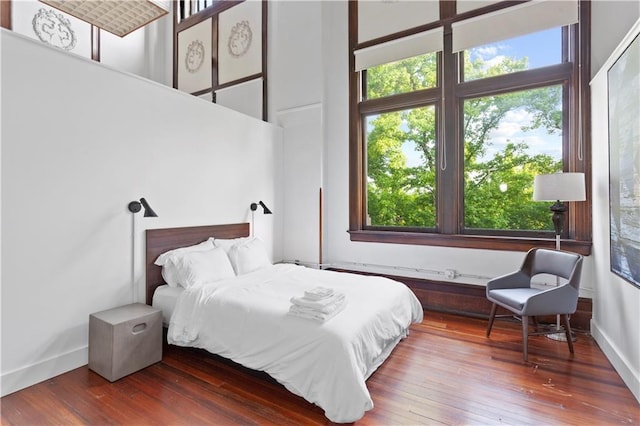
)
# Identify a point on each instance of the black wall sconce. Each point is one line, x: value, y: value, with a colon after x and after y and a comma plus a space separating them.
x: 254, y: 207
x: 135, y: 207
x: 265, y: 209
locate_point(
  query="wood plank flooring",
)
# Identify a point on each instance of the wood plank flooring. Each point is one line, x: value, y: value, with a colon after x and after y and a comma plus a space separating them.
x: 445, y: 372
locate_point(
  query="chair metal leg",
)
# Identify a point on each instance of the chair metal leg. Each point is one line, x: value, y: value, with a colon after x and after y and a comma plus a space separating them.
x: 525, y: 335
x: 567, y: 330
x: 492, y: 316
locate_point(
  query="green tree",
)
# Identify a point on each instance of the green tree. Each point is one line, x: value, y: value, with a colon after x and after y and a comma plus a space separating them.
x: 399, y: 195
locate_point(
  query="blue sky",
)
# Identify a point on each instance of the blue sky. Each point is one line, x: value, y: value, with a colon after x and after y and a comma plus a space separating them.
x: 542, y: 48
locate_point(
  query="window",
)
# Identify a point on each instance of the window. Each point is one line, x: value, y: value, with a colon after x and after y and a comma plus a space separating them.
x: 446, y: 140
x: 401, y: 168
x: 508, y: 139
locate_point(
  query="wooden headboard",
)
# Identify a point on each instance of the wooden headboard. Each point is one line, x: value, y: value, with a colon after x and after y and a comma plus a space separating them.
x: 162, y: 240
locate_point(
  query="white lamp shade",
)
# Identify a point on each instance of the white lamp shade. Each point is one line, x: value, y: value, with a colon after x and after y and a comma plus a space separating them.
x: 559, y: 187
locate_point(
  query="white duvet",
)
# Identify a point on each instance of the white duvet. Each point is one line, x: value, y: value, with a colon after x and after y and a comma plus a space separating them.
x: 245, y: 319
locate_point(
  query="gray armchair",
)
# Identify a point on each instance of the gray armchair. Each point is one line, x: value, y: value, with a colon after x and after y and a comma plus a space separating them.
x: 514, y: 292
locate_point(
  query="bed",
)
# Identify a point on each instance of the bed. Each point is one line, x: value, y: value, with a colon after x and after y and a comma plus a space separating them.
x: 247, y: 318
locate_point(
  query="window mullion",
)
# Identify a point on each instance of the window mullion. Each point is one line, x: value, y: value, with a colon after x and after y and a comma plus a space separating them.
x: 582, y: 213
x: 449, y: 173
x: 529, y: 79
x: 401, y: 101
x: 356, y: 160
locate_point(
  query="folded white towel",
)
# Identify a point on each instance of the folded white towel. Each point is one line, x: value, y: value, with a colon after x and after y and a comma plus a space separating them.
x: 320, y: 304
x: 318, y: 293
x: 314, y: 314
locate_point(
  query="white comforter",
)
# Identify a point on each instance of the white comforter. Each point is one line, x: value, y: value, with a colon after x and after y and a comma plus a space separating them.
x: 245, y: 319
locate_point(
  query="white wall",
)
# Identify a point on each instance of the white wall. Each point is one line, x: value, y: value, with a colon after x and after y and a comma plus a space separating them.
x: 616, y: 303
x: 295, y: 103
x: 79, y: 142
x: 143, y: 52
x: 294, y: 59
x: 302, y: 182
x: 610, y: 21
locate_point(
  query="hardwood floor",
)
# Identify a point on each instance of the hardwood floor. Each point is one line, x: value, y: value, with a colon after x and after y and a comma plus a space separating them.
x: 445, y: 372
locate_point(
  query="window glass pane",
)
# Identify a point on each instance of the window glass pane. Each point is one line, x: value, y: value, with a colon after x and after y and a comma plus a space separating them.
x: 403, y: 76
x: 535, y: 50
x: 509, y: 139
x: 401, y: 168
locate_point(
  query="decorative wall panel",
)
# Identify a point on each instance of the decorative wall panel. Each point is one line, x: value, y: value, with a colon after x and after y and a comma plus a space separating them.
x: 240, y: 42
x: 194, y: 57
x: 41, y: 22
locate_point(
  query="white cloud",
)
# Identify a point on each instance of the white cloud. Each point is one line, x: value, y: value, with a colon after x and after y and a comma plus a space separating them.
x: 510, y: 131
x: 511, y: 124
x: 485, y: 52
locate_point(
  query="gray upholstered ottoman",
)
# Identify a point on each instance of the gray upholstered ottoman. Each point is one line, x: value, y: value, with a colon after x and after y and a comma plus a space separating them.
x: 124, y: 340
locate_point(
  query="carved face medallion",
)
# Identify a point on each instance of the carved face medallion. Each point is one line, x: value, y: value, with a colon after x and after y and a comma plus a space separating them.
x: 54, y: 29
x: 195, y: 56
x: 240, y: 39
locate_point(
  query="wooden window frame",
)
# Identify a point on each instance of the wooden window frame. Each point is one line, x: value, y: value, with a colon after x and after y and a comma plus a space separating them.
x: 450, y: 231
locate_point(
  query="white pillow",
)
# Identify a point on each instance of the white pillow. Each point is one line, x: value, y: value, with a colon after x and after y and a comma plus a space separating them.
x: 227, y: 244
x: 199, y: 267
x: 165, y: 260
x: 248, y: 256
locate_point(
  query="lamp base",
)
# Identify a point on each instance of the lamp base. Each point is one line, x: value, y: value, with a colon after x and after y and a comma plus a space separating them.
x: 560, y: 336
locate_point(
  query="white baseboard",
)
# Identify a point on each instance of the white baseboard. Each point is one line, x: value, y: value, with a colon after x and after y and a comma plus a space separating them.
x: 21, y: 378
x: 630, y: 377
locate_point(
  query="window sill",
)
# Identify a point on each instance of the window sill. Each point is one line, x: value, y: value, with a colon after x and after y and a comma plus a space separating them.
x: 468, y: 241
